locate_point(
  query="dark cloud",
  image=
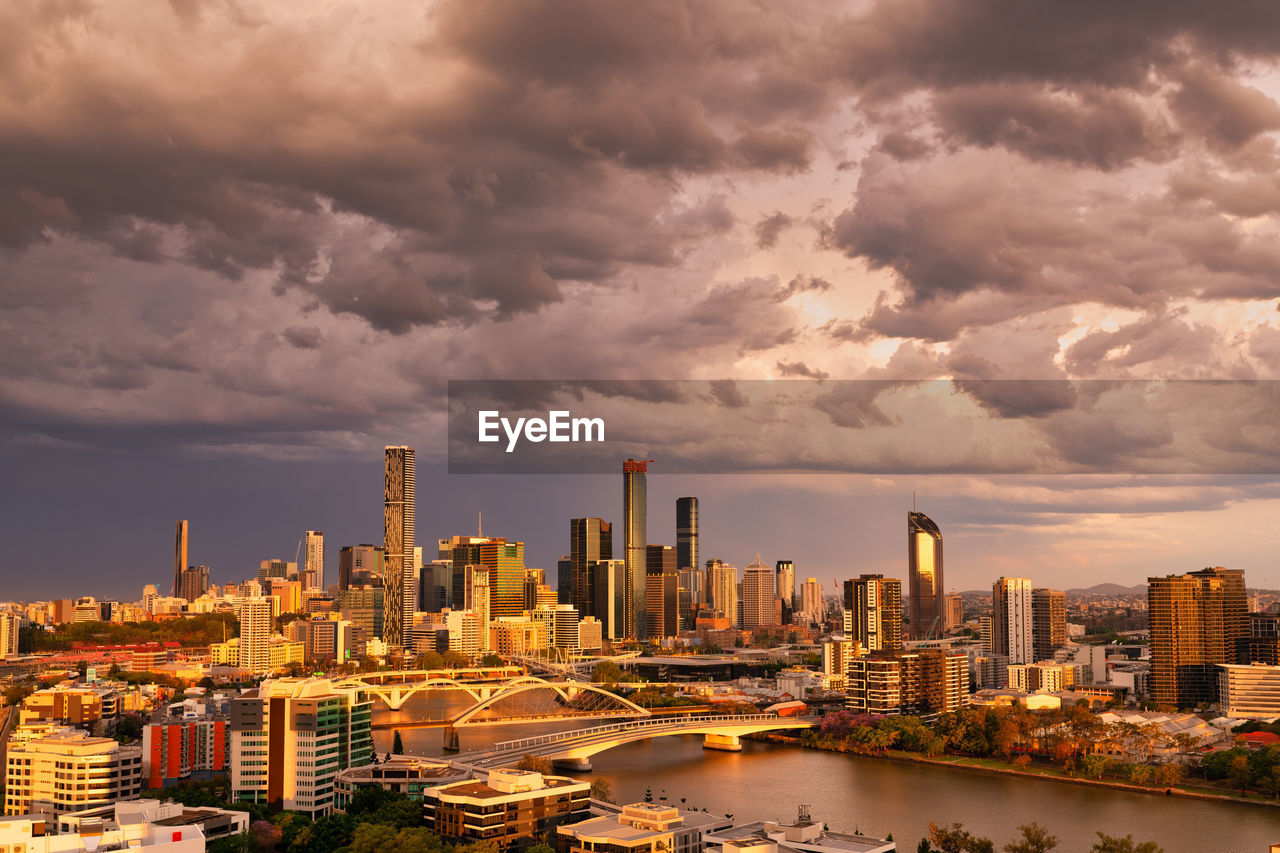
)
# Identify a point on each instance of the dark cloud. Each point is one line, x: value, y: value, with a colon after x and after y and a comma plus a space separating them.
x: 304, y: 337
x: 770, y: 228
x: 799, y: 368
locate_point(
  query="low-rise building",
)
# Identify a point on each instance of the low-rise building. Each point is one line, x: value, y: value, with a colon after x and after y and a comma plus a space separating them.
x: 404, y: 774
x: 69, y: 771
x: 509, y: 805
x: 213, y: 822
x: 804, y: 835
x: 639, y: 828
x: 1249, y: 691
x: 192, y: 739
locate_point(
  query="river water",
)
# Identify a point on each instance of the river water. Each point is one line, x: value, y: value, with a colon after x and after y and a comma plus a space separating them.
x: 877, y: 796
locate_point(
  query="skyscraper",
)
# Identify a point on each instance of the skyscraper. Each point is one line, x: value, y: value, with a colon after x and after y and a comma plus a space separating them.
x: 1048, y: 621
x: 179, y: 555
x: 875, y: 603
x: 1011, y: 619
x: 503, y: 559
x: 924, y: 564
x: 1198, y: 620
x: 590, y: 540
x: 193, y: 583
x: 398, y: 535
x: 313, y: 560
x: 636, y: 533
x: 608, y: 583
x: 662, y: 602
x: 687, y: 535
x: 953, y: 614
x: 256, y: 624
x: 722, y: 581
x: 759, y: 586
x: 811, y: 600
x: 786, y: 571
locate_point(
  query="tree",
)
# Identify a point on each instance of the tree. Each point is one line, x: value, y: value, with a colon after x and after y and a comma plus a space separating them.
x: 492, y: 660
x: 602, y: 790
x: 957, y: 839
x: 606, y: 672
x: 1240, y: 772
x: 924, y: 846
x: 397, y: 743
x: 1109, y: 844
x: 380, y: 838
x: 536, y: 763
x: 1035, y: 839
x: 540, y: 847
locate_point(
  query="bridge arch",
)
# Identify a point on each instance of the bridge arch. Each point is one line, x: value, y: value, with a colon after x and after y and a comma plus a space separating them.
x: 599, y: 702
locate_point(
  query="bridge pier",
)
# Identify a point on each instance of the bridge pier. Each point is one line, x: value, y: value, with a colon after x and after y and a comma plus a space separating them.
x: 396, y: 702
x: 726, y: 743
x: 451, y: 741
x: 573, y: 765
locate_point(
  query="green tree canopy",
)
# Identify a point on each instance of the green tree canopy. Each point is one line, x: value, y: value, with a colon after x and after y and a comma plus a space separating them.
x: 1110, y: 844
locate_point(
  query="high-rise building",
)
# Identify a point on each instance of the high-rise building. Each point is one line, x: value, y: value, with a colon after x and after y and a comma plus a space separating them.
x: 875, y: 603
x: 925, y: 682
x: 1198, y: 620
x: 1048, y: 621
x: 398, y: 538
x: 193, y: 582
x: 759, y: 586
x: 811, y: 600
x: 291, y: 737
x: 268, y: 569
x: 179, y: 555
x: 786, y: 571
x: 313, y: 560
x: 953, y: 615
x: 361, y: 565
x: 256, y: 624
x: 478, y: 602
x: 590, y: 540
x: 9, y: 623
x: 687, y: 535
x: 1261, y: 643
x: 635, y: 539
x: 924, y: 567
x: 722, y: 581
x: 608, y: 583
x: 1011, y: 625
x: 504, y: 560
x: 662, y: 601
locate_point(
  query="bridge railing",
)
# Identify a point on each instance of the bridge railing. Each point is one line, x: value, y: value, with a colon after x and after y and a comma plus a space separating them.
x: 648, y: 723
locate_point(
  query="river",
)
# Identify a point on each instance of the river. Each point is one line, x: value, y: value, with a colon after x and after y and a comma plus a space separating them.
x: 877, y: 796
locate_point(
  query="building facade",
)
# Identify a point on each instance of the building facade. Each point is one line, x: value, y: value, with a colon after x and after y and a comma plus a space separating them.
x: 635, y: 497
x: 399, y: 491
x: 924, y: 573
x: 69, y: 771
x: 1011, y: 622
x: 1048, y: 621
x: 1198, y: 620
x: 507, y: 806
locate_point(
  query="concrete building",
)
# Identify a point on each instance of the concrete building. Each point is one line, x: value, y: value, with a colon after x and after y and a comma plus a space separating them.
x: 639, y: 828
x: 608, y: 586
x: 722, y: 581
x: 836, y: 655
x: 874, y: 604
x: 257, y: 624
x: 509, y: 805
x: 1048, y: 622
x: 635, y: 538
x: 1047, y: 676
x: 925, y: 682
x: 404, y: 774
x: 1011, y: 625
x: 802, y: 835
x: 312, y: 576
x: 398, y: 502
x: 291, y: 737
x: 759, y: 589
x: 9, y: 624
x: 1249, y: 690
x: 67, y: 771
x: 811, y: 600
x: 25, y: 835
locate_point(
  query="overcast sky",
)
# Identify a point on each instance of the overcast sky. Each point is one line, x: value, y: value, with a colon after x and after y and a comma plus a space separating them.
x: 244, y: 245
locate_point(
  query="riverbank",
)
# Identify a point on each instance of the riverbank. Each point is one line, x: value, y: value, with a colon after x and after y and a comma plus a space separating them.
x: 1047, y: 774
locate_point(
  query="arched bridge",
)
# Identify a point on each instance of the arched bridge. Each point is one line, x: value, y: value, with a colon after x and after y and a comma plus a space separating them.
x: 531, y: 700
x: 395, y: 687
x: 572, y: 749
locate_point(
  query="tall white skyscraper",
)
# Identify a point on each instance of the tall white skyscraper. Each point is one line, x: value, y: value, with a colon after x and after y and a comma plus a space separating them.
x: 313, y: 560
x: 398, y: 535
x: 811, y: 599
x: 1011, y: 619
x: 8, y: 635
x: 722, y: 580
x: 256, y: 624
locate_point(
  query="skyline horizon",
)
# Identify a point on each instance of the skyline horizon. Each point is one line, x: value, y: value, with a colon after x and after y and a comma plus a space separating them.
x: 232, y: 549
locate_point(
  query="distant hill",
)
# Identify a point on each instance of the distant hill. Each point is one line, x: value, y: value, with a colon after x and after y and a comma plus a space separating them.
x: 1109, y: 589
x: 1099, y: 589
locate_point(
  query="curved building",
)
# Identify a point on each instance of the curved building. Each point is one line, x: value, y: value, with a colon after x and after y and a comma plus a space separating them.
x: 924, y: 571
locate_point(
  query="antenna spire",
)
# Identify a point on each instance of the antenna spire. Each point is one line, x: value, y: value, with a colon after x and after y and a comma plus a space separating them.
x: 480, y: 525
